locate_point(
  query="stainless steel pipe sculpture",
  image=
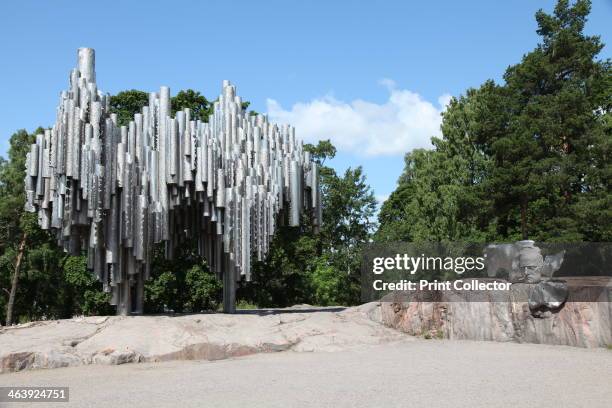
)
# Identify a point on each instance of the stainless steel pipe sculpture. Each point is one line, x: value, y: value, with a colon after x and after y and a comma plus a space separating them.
x: 116, y: 190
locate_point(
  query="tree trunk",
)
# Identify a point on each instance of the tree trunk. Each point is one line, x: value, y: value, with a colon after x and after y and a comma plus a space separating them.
x: 11, y: 301
x: 524, y: 217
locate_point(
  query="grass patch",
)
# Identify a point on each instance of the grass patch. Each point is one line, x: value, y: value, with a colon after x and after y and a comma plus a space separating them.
x: 433, y: 334
x: 243, y: 304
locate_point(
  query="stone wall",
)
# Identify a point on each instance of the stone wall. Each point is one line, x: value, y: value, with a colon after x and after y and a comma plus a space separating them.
x: 577, y: 323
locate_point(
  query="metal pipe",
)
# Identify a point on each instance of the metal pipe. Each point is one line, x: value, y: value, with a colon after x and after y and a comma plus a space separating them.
x: 164, y: 179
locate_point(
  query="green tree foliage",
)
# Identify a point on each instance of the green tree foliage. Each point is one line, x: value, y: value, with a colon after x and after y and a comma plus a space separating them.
x: 321, y: 152
x: 12, y: 193
x: 126, y: 103
x: 204, y: 289
x: 15, y: 224
x: 183, y: 284
x: 282, y: 279
x: 560, y: 95
x: 83, y: 289
x: 431, y: 202
x: 526, y: 159
x: 51, y: 284
x: 330, y: 286
x: 200, y: 107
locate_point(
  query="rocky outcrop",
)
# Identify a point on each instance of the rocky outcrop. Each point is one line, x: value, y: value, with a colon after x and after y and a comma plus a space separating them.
x: 575, y: 323
x: 120, y: 339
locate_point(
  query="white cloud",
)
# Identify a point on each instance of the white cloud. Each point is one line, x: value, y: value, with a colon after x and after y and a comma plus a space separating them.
x: 381, y: 198
x: 404, y: 122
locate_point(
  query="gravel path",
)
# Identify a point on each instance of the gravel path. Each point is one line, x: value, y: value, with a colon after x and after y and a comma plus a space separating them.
x: 413, y: 374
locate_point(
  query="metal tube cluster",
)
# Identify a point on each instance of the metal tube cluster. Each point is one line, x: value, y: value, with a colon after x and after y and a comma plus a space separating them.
x: 117, y: 190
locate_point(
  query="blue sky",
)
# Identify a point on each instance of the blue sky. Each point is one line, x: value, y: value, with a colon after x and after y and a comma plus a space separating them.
x: 372, y: 75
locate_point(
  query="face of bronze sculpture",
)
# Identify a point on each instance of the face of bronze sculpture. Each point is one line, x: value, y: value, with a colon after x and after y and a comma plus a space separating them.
x: 114, y: 191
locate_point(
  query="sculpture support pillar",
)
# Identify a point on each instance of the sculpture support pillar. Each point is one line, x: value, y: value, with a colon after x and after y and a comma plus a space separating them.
x: 139, y: 295
x: 229, y: 287
x: 131, y: 297
x: 124, y: 304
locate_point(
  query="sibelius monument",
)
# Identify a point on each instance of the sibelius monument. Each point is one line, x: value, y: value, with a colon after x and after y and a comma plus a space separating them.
x: 115, y: 191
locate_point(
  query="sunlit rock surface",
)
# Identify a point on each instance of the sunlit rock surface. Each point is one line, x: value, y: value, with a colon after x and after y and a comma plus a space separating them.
x: 119, y: 339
